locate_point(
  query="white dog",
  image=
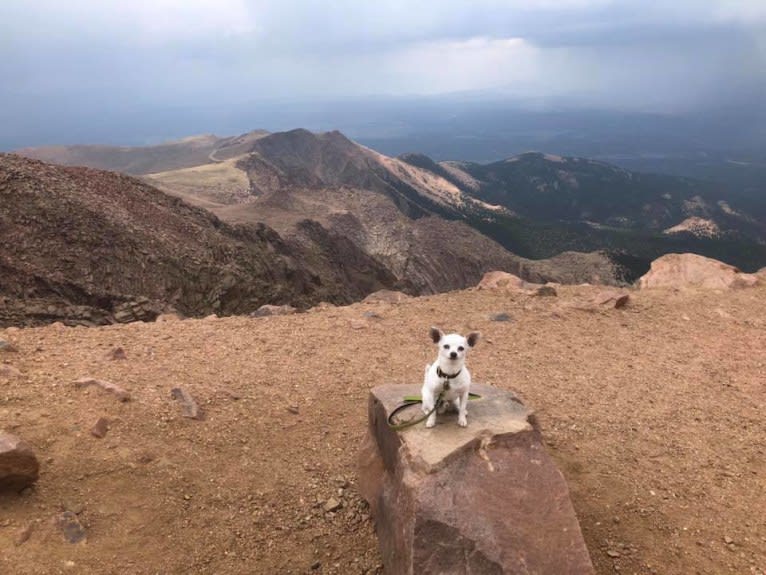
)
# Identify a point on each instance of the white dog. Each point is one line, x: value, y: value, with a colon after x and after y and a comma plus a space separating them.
x: 449, y: 374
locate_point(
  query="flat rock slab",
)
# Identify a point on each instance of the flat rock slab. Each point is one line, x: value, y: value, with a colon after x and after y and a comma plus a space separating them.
x: 189, y: 407
x: 71, y: 527
x: 118, y: 392
x: 485, y: 499
x: 19, y: 467
x: 100, y: 428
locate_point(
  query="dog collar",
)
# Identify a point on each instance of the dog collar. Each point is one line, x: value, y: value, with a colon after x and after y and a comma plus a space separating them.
x: 440, y: 373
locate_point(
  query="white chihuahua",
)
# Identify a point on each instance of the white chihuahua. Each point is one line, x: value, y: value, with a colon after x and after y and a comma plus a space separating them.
x: 449, y: 374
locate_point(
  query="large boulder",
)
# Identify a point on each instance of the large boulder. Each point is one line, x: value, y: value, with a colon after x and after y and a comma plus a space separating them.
x: 18, y: 464
x: 691, y: 270
x: 485, y: 499
x: 501, y: 280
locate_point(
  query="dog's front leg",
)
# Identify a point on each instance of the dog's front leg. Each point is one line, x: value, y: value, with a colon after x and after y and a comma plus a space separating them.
x: 429, y: 401
x: 462, y: 417
x: 431, y: 421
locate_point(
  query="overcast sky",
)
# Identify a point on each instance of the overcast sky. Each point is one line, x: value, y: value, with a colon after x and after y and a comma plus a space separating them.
x: 63, y: 57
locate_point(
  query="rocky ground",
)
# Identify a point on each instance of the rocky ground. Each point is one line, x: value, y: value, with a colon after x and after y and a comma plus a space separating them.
x: 653, y: 413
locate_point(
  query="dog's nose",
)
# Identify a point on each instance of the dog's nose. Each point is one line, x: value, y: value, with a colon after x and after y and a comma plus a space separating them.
x: 453, y: 354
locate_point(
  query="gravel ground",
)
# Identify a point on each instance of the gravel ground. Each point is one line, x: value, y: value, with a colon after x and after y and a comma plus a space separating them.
x: 654, y: 414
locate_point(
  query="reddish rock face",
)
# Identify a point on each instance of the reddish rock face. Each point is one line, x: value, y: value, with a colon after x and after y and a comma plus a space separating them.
x: 485, y: 499
x: 18, y: 465
x: 691, y: 270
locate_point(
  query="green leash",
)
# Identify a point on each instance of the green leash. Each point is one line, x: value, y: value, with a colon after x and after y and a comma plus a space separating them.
x: 410, y: 400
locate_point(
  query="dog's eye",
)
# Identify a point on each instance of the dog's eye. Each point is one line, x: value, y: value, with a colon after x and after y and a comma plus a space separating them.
x: 446, y: 346
x: 461, y: 348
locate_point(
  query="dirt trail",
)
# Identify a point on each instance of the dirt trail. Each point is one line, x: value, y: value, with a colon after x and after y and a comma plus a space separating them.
x: 654, y: 414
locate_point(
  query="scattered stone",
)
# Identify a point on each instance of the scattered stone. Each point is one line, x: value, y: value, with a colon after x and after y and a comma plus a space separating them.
x: 545, y: 291
x: 341, y: 481
x: 487, y: 527
x: 332, y: 504
x: 9, y: 372
x: 189, y: 407
x: 386, y: 296
x: 124, y: 316
x: 118, y: 392
x: 613, y: 554
x: 293, y: 409
x: 500, y: 317
x: 142, y: 309
x: 358, y: 324
x: 76, y: 508
x: 118, y: 353
x: 269, y: 310
x: 372, y: 315
x: 316, y: 565
x: 19, y: 467
x: 146, y: 458
x: 501, y: 280
x: 728, y: 540
x: 210, y: 317
x: 168, y: 317
x: 694, y: 271
x: 7, y: 346
x: 100, y: 428
x: 24, y: 535
x: 612, y: 298
x: 71, y: 527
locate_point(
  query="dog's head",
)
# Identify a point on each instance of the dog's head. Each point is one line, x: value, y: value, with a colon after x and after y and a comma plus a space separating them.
x: 453, y: 347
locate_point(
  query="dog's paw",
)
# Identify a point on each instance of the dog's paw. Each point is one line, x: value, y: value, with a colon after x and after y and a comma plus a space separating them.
x: 462, y: 422
x: 430, y: 423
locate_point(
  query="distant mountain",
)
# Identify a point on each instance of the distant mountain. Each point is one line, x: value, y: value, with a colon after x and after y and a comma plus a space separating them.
x: 416, y: 217
x: 560, y: 203
x: 407, y: 218
x: 191, y: 151
x: 87, y: 246
x: 545, y: 187
x: 90, y: 247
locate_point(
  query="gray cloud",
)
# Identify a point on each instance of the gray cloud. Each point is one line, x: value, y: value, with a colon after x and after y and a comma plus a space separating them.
x: 62, y: 59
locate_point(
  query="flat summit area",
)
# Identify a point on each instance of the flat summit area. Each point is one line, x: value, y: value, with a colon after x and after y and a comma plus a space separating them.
x: 653, y: 412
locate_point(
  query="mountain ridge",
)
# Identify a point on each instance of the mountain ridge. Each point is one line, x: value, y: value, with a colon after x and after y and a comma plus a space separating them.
x: 535, y: 205
x: 91, y: 247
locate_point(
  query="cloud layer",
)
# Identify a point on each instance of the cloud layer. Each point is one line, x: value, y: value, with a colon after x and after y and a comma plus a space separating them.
x: 130, y: 55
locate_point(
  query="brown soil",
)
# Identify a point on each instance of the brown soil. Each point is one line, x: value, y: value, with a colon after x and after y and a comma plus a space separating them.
x: 653, y: 412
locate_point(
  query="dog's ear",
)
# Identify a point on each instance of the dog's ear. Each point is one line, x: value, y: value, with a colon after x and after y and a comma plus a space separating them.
x: 473, y: 338
x: 436, y: 334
